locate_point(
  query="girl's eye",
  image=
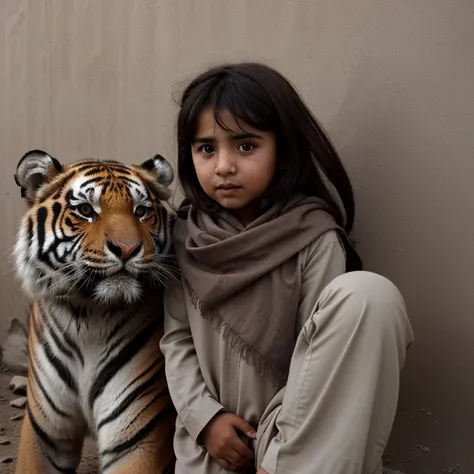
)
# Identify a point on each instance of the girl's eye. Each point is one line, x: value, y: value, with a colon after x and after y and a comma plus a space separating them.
x: 86, y: 210
x: 141, y: 211
x: 207, y: 149
x: 246, y: 147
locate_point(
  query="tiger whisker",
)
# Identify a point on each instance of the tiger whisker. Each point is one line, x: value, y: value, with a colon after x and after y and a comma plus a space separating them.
x: 164, y: 276
x: 58, y: 271
x: 73, y: 279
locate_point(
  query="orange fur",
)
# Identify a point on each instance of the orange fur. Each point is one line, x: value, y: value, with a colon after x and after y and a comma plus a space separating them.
x: 94, y: 366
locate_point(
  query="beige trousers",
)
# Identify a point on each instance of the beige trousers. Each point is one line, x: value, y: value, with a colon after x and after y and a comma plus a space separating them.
x: 342, y: 392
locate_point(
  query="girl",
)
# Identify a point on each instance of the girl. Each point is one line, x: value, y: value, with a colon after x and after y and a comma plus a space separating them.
x: 281, y: 355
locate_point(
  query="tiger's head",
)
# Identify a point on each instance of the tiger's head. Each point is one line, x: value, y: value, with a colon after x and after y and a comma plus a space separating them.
x: 94, y: 230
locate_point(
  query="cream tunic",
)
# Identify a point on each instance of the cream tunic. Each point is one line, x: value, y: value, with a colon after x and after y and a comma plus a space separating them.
x: 335, y: 414
x: 206, y: 376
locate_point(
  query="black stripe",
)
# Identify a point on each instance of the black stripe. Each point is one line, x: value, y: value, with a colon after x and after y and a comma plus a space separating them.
x: 74, y: 248
x: 105, y: 186
x: 115, y: 164
x: 86, y: 163
x: 124, y: 448
x: 118, y: 326
x: 57, y: 208
x: 48, y: 441
x: 94, y: 170
x: 56, y: 211
x: 30, y: 231
x: 131, y: 181
x: 69, y: 196
x: 114, y: 365
x: 133, y: 396
x: 41, y: 216
x: 114, y: 346
x: 45, y: 438
x: 94, y: 251
x: 63, y: 372
x: 142, y: 195
x: 58, y: 239
x: 91, y: 180
x: 69, y: 341
x: 120, y: 169
x: 62, y: 470
x: 70, y: 224
x: 142, y: 374
x: 53, y: 405
x: 61, y: 222
x: 54, y: 335
x: 168, y: 409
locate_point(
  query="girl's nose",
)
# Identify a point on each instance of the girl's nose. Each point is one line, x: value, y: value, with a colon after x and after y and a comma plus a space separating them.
x: 225, y: 164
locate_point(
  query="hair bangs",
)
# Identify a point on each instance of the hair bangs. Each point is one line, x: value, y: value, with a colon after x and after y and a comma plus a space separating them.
x: 243, y: 102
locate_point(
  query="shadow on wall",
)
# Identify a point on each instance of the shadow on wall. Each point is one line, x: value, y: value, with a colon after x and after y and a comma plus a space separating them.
x: 410, y: 159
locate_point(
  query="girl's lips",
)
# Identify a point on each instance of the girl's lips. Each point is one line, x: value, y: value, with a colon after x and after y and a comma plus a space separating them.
x: 228, y: 190
x: 227, y: 186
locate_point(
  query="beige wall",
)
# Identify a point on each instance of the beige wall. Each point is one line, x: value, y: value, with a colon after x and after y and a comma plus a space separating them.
x: 391, y: 80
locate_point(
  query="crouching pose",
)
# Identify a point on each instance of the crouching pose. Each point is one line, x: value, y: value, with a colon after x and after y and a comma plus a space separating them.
x: 282, y: 355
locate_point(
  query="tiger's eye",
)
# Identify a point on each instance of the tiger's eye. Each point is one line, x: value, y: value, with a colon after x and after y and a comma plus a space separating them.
x: 86, y: 209
x: 141, y: 211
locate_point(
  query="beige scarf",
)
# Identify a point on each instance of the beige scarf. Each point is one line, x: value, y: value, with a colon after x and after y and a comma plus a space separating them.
x: 246, y: 281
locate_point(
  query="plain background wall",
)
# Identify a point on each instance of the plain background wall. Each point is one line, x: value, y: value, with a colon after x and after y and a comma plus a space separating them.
x: 392, y: 81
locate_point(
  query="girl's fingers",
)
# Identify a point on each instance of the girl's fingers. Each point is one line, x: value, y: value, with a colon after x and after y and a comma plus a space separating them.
x: 234, y: 457
x: 242, y: 449
x: 238, y: 460
x: 243, y: 426
x: 227, y: 464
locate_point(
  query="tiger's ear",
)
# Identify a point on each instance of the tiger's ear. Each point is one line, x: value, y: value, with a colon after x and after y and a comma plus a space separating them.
x: 163, y: 175
x: 35, y: 169
x: 160, y: 168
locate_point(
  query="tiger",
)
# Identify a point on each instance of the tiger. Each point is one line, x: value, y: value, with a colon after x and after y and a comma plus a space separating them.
x: 94, y: 255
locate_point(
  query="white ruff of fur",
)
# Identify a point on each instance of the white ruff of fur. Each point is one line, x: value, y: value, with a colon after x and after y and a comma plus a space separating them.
x: 120, y: 288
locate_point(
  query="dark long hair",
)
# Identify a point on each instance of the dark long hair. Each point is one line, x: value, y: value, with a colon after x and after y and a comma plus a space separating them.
x: 260, y: 96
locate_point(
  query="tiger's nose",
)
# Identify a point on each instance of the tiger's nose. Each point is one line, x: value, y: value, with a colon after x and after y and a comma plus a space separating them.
x: 124, y: 250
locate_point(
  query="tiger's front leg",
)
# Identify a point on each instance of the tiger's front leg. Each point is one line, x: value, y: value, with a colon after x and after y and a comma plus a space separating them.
x: 152, y: 455
x: 45, y: 448
x: 52, y: 433
x: 136, y: 420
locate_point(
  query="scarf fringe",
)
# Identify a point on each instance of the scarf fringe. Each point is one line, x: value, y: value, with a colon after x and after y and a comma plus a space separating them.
x: 247, y: 352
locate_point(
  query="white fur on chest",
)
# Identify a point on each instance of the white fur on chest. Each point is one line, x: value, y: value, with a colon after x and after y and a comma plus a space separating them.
x: 100, y: 336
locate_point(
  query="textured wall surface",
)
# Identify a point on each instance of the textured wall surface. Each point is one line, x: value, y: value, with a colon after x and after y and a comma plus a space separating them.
x: 391, y: 81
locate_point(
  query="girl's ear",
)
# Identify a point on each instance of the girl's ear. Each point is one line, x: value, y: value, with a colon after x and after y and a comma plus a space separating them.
x: 35, y: 169
x: 160, y: 168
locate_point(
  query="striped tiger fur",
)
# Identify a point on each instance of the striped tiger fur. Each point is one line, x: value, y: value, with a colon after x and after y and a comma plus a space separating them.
x: 93, y: 253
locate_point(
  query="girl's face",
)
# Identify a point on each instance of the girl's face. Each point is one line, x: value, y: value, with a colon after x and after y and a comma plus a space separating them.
x: 234, y: 166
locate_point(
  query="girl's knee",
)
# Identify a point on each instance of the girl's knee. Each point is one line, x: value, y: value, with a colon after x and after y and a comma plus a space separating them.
x: 366, y: 297
x: 365, y: 286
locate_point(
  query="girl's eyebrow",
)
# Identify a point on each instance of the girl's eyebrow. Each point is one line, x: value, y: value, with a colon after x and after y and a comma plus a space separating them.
x: 234, y: 136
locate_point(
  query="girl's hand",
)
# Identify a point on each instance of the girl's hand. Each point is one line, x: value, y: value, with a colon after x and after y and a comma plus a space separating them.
x: 222, y: 441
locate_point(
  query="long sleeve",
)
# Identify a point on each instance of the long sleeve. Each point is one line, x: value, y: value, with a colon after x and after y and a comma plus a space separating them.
x: 325, y: 260
x: 193, y: 401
